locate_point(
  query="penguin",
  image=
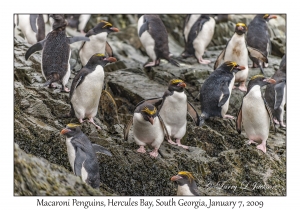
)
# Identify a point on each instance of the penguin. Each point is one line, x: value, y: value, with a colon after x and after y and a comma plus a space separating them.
x: 255, y: 114
x: 32, y: 26
x: 154, y: 37
x: 97, y: 43
x: 186, y: 184
x: 56, y: 53
x: 258, y: 38
x: 275, y: 94
x: 77, y: 21
x: 148, y: 128
x: 237, y: 50
x: 216, y: 90
x: 197, y: 34
x: 173, y: 107
x: 86, y: 88
x: 82, y: 155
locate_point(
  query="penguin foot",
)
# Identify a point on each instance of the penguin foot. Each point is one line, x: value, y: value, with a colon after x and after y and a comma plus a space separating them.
x: 262, y: 147
x: 251, y: 141
x: 171, y: 142
x: 150, y: 64
x: 141, y: 149
x: 202, y: 61
x: 228, y: 116
x: 65, y: 90
x: 51, y: 85
x: 243, y: 88
x: 91, y: 120
x: 154, y: 153
x: 181, y: 145
x: 282, y: 124
x: 265, y: 65
x: 276, y: 121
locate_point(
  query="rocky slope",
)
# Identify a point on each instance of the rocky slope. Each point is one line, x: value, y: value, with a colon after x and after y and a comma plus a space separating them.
x: 218, y: 157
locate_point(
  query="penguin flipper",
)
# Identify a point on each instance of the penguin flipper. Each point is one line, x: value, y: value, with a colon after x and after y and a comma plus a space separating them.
x: 36, y: 47
x: 33, y: 19
x: 111, y: 99
x: 164, y: 126
x: 144, y: 27
x: 279, y: 92
x: 219, y: 59
x: 203, y: 19
x: 79, y: 159
x: 77, y: 38
x: 193, y: 113
x: 78, y: 79
x: 108, y: 50
x: 154, y: 101
x: 99, y: 149
x: 270, y: 114
x: 239, y: 120
x: 257, y: 54
x: 127, y: 128
x: 226, y: 94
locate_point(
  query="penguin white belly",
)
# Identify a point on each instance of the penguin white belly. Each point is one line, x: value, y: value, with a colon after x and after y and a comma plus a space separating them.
x: 204, y: 37
x: 145, y: 133
x: 147, y: 40
x: 173, y: 112
x: 65, y: 79
x: 184, y: 190
x: 71, y: 152
x: 96, y: 44
x: 86, y: 96
x: 225, y: 106
x: 25, y: 27
x: 283, y: 103
x: 84, y: 174
x: 255, y: 118
x: 236, y: 51
x: 189, y: 25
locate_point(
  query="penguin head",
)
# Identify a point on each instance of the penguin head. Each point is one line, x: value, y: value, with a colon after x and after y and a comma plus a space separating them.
x: 240, y: 28
x: 266, y: 17
x: 231, y: 67
x: 59, y: 21
x: 183, y: 177
x: 176, y: 85
x: 71, y: 130
x: 100, y: 59
x: 104, y: 26
x: 260, y: 80
x: 149, y: 112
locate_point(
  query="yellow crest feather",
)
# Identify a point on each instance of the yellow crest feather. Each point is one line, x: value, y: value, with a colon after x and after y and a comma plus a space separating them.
x: 174, y: 81
x: 266, y: 15
x: 148, y: 111
x: 257, y: 76
x: 106, y: 24
x: 73, y: 125
x: 100, y: 54
x: 241, y: 24
x: 231, y: 63
x: 188, y: 174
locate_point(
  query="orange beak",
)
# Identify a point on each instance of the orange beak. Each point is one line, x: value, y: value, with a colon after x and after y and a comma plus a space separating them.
x: 272, y: 16
x: 151, y: 120
x: 111, y: 59
x: 271, y: 81
x: 241, y: 67
x: 64, y: 131
x: 175, y: 178
x: 114, y: 29
x: 182, y: 84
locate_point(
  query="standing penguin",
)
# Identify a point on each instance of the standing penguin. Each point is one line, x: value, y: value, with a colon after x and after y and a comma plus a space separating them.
x: 56, y: 53
x: 186, y: 184
x: 198, y: 32
x: 148, y: 128
x: 255, y: 114
x: 77, y: 21
x: 276, y: 93
x: 97, y: 43
x: 237, y: 50
x: 216, y: 90
x: 86, y: 88
x: 82, y: 155
x: 173, y: 108
x: 32, y: 26
x: 258, y: 38
x: 154, y: 37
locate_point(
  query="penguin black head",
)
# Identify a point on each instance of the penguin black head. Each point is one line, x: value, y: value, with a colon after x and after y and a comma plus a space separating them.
x: 149, y: 112
x: 59, y: 21
x: 176, y: 85
x: 260, y: 80
x: 71, y: 130
x: 100, y: 59
x: 186, y: 178
x: 104, y: 26
x: 240, y: 28
x: 231, y: 67
x: 268, y: 17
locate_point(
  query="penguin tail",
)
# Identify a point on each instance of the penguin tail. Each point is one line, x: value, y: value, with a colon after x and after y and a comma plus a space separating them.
x: 53, y: 78
x: 174, y: 62
x: 202, y: 119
